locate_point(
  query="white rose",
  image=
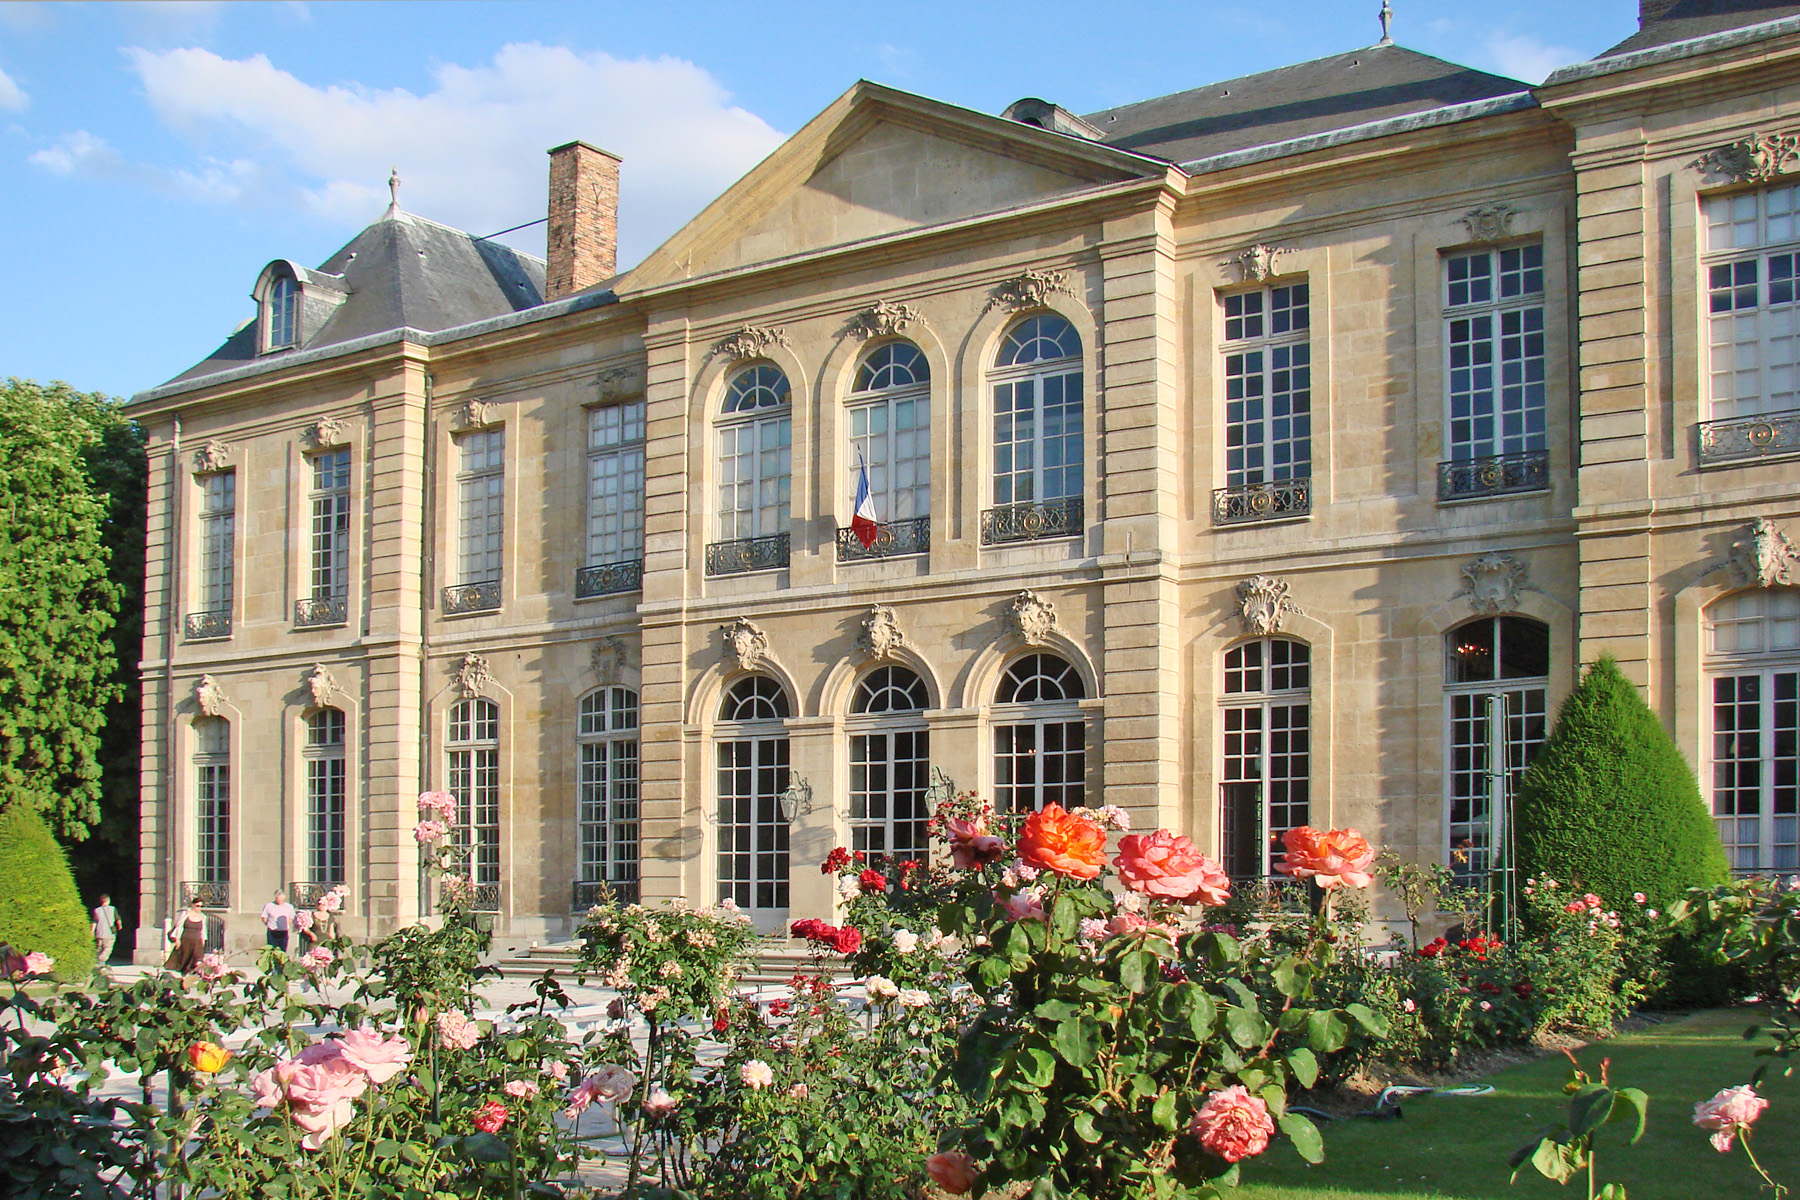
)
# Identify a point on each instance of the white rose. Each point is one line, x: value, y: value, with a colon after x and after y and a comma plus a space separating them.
x: 905, y: 941
x: 880, y: 987
x: 914, y: 998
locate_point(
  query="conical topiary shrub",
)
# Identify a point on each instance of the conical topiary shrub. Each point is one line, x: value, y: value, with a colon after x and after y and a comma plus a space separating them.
x: 39, y: 906
x: 1610, y: 804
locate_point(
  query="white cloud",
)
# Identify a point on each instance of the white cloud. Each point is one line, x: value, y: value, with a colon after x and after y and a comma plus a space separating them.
x: 79, y: 151
x: 1522, y: 56
x: 12, y: 96
x: 470, y: 152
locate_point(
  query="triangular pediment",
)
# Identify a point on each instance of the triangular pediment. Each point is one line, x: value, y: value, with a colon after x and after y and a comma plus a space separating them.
x: 880, y: 162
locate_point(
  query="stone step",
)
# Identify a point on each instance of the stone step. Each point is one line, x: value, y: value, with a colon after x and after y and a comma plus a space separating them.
x: 775, y: 965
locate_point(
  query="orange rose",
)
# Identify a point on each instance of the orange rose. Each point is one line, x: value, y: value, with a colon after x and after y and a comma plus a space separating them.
x: 208, y: 1057
x: 1064, y: 842
x: 1329, y: 859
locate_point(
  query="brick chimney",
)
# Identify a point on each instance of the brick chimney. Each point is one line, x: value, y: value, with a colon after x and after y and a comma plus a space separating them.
x: 1654, y: 10
x: 583, y: 241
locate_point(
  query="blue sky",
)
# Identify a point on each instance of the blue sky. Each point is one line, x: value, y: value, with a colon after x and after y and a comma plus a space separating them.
x: 153, y: 156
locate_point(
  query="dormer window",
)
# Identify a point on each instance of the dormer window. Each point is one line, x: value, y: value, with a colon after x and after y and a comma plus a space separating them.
x: 281, y: 313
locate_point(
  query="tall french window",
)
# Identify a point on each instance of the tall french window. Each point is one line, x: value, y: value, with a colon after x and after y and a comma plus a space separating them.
x: 1267, y: 717
x: 615, y: 497
x: 890, y: 430
x: 890, y: 766
x: 755, y: 454
x: 1753, y: 668
x: 331, y: 525
x: 1040, y: 736
x: 480, y: 505
x: 281, y: 318
x: 212, y: 796
x: 1494, y: 326
x: 218, y: 544
x: 1268, y: 385
x: 1753, y: 312
x: 607, y: 736
x: 752, y: 777
x: 325, y: 795
x: 474, y: 779
x: 1038, y: 418
x: 1496, y: 673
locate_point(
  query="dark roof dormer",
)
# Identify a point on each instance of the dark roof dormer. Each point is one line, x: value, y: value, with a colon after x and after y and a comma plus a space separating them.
x: 292, y: 304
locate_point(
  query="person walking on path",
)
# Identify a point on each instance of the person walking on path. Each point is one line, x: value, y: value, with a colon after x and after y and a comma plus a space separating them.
x: 106, y: 929
x: 192, y: 943
x: 278, y: 918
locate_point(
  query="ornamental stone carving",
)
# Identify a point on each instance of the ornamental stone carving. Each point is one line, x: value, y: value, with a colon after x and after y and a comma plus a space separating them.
x: 749, y: 341
x: 1032, y: 289
x: 746, y: 645
x: 472, y: 414
x: 881, y: 634
x: 473, y: 676
x: 1756, y: 159
x: 618, y: 381
x: 1493, y: 582
x: 1033, y: 618
x: 1258, y: 262
x: 214, y: 456
x: 1489, y: 223
x: 321, y: 685
x: 608, y: 660
x: 326, y: 431
x: 1764, y: 557
x: 209, y: 696
x: 885, y: 319
x: 1262, y: 602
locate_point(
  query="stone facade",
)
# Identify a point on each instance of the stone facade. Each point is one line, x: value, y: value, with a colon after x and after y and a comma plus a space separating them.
x: 891, y: 217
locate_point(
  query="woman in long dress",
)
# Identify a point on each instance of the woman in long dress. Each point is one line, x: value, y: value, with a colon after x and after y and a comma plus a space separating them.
x: 192, y: 945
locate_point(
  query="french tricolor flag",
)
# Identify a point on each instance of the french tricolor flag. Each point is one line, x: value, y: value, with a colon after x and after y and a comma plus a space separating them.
x: 863, y: 522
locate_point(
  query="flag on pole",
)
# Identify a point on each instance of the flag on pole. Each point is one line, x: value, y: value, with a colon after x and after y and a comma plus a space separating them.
x: 863, y: 522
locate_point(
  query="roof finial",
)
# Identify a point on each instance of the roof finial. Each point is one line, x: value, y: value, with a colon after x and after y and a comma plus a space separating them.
x: 394, y: 187
x: 1387, y: 24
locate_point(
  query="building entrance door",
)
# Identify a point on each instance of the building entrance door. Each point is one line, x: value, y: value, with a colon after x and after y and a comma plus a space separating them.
x: 753, y: 833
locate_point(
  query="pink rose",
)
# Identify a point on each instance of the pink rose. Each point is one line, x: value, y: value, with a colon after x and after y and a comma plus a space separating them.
x: 1330, y: 858
x: 1233, y: 1124
x: 1127, y: 923
x: 441, y: 803
x: 212, y: 966
x: 971, y: 845
x: 659, y: 1103
x: 524, y: 1089
x: 317, y: 1088
x: 457, y: 1032
x: 429, y: 831
x: 953, y: 1171
x: 1023, y: 906
x: 1728, y: 1114
x: 331, y: 901
x: 1169, y: 866
x: 38, y: 963
x: 756, y: 1074
x: 490, y: 1117
x: 377, y: 1057
x: 557, y: 1070
x: 303, y: 919
x: 799, y: 1091
x: 609, y: 1083
x: 317, y: 959
x: 1638, y: 898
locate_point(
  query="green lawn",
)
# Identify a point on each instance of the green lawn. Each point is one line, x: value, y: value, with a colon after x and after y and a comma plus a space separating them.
x: 1459, y: 1146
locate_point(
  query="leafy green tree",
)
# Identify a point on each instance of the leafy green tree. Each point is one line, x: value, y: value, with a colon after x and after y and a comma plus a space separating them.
x: 39, y: 907
x: 57, y: 606
x: 1610, y: 803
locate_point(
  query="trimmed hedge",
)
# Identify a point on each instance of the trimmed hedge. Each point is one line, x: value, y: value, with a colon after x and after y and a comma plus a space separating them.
x: 39, y: 906
x: 1609, y: 802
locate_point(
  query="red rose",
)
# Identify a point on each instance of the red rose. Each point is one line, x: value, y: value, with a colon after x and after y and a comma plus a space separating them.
x: 490, y: 1117
x: 846, y: 940
x: 872, y: 881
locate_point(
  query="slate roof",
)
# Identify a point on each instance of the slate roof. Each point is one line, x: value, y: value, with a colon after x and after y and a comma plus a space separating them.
x: 1314, y: 97
x: 404, y: 271
x: 1699, y: 18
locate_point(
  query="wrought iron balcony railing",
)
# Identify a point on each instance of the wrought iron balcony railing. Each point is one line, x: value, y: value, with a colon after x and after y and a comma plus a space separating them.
x: 586, y: 893
x: 307, y: 893
x: 1029, y: 522
x: 1267, y: 896
x: 1276, y: 501
x: 202, y: 626
x: 604, y: 579
x: 747, y: 554
x: 486, y: 898
x: 213, y: 893
x: 1767, y: 436
x: 321, y: 610
x: 1495, y: 475
x: 472, y: 597
x: 893, y: 539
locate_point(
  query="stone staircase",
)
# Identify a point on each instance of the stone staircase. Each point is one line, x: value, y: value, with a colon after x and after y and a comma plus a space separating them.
x: 776, y: 964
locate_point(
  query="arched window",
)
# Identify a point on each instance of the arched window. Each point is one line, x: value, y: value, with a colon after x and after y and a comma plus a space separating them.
x: 607, y: 831
x: 474, y: 779
x: 890, y: 433
x: 1267, y: 715
x: 1040, y: 736
x: 1496, y: 672
x: 1038, y: 444
x: 281, y: 313
x: 212, y: 798
x: 323, y: 755
x: 1753, y: 667
x: 755, y: 452
x: 752, y: 778
x: 890, y: 765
